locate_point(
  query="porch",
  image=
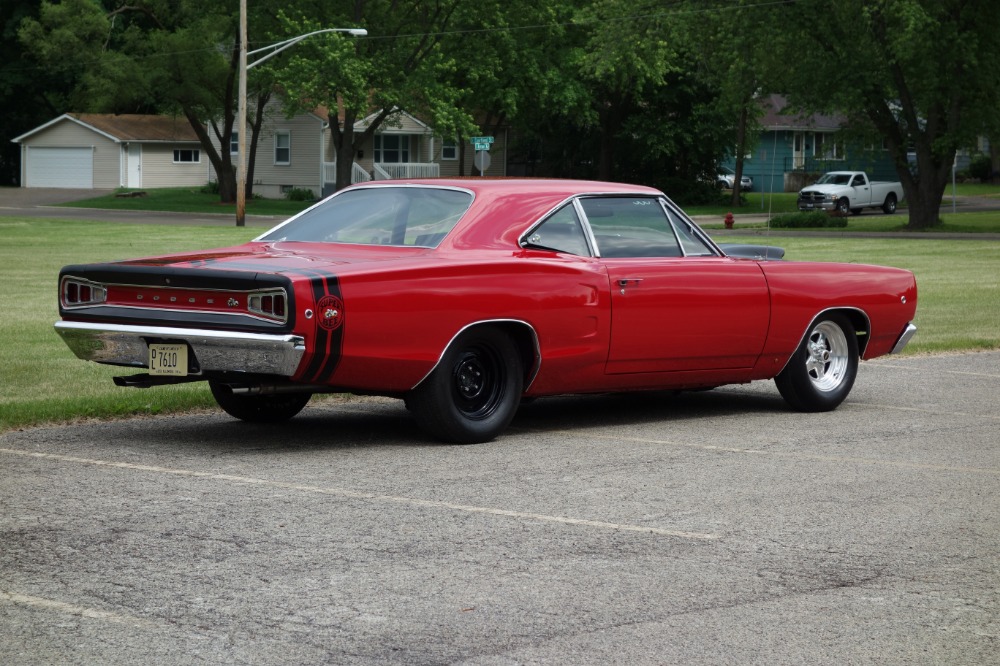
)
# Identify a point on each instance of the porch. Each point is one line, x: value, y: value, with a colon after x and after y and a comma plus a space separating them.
x: 382, y: 171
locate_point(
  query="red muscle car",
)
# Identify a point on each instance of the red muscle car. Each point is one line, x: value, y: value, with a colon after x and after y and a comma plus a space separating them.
x: 465, y: 296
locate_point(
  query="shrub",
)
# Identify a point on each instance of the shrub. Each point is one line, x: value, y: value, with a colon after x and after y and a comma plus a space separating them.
x: 300, y: 194
x: 981, y: 168
x: 211, y: 187
x: 810, y: 220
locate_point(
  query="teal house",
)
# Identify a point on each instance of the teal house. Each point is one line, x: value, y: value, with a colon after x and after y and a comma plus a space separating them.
x: 794, y: 149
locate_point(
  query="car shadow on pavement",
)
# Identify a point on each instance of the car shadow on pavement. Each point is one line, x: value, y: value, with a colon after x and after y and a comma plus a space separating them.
x: 379, y: 422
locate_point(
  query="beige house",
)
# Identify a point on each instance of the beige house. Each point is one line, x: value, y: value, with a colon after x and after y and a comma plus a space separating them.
x: 298, y: 153
x: 107, y: 151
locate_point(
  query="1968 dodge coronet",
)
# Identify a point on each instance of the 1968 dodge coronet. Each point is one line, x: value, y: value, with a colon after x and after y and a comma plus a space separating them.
x: 465, y: 296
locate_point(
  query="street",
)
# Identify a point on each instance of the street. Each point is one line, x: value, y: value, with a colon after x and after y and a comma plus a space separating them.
x: 703, y: 528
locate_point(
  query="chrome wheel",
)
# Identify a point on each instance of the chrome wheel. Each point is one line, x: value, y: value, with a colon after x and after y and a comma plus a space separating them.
x: 821, y: 372
x: 827, y: 359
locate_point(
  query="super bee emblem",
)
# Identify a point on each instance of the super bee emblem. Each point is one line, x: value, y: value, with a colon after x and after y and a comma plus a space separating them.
x: 331, y: 312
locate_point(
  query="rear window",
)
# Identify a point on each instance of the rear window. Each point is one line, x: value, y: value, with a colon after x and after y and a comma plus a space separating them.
x: 415, y: 216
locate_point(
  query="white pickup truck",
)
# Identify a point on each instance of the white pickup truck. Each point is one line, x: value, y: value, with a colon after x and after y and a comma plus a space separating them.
x: 850, y: 191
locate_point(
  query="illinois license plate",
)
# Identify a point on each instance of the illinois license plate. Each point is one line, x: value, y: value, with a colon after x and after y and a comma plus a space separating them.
x: 168, y: 359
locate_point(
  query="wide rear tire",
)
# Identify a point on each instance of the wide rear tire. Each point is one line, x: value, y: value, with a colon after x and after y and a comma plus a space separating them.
x: 473, y: 393
x: 821, y: 372
x: 259, y: 408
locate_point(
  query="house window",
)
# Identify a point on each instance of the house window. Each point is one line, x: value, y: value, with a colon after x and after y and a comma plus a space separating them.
x: 829, y: 148
x: 282, y: 148
x: 187, y: 155
x: 234, y: 143
x: 392, y: 148
x: 449, y: 149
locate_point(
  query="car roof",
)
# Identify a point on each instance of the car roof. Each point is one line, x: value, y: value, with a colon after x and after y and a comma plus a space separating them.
x: 503, y: 208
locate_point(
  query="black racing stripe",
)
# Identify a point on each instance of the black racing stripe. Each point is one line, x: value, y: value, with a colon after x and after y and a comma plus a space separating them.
x: 335, y: 338
x: 322, y: 342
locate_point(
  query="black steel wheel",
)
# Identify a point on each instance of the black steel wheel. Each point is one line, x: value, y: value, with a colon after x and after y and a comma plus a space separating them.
x: 259, y: 408
x: 822, y: 370
x: 473, y: 393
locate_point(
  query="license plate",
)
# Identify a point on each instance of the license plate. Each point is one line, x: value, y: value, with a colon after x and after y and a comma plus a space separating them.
x: 168, y: 359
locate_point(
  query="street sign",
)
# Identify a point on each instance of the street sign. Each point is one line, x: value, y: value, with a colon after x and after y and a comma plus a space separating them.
x: 481, y: 142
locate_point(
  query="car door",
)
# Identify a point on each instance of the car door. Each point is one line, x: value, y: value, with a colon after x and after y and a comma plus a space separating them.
x: 676, y: 303
x: 860, y: 192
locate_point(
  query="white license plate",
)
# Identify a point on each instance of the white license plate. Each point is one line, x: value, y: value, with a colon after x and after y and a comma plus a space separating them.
x: 168, y: 359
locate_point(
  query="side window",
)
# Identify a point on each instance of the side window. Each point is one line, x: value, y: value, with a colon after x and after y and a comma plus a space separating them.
x: 630, y: 227
x: 561, y: 232
x: 693, y: 244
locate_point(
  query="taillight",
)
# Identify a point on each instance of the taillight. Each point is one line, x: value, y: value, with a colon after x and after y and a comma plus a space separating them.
x: 269, y: 304
x: 77, y: 293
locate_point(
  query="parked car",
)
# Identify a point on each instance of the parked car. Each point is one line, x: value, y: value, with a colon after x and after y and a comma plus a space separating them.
x: 850, y: 192
x: 462, y: 297
x: 726, y: 177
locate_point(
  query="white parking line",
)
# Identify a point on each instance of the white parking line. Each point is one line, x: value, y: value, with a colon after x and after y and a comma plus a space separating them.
x: 353, y: 494
x: 72, y: 609
x: 794, y: 455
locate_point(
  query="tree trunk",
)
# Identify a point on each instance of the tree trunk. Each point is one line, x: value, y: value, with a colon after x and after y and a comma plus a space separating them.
x: 924, y: 190
x: 221, y: 160
x: 255, y: 125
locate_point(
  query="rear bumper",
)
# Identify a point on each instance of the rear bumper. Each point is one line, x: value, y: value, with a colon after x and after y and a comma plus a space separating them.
x: 904, y: 338
x: 214, y: 351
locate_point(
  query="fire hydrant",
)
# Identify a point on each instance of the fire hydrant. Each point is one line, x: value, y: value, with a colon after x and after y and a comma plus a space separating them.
x: 729, y: 220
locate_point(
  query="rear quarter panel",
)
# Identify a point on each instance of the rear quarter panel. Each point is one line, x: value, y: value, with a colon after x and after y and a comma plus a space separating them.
x: 802, y: 290
x: 398, y: 323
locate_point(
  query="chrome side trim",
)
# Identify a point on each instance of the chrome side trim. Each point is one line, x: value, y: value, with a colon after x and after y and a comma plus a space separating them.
x: 119, y: 344
x: 904, y: 338
x: 534, y: 337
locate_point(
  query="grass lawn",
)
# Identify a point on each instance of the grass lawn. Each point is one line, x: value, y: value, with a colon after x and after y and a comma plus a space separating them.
x: 189, y: 200
x: 959, y: 306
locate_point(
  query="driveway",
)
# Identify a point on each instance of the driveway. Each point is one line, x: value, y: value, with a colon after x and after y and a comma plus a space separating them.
x: 42, y: 202
x: 32, y: 197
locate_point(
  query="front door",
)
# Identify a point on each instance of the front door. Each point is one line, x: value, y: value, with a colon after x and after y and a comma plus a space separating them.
x: 676, y: 305
x: 134, y: 168
x: 686, y: 313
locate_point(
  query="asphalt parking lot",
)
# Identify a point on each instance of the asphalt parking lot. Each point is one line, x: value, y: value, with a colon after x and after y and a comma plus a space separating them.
x: 705, y: 528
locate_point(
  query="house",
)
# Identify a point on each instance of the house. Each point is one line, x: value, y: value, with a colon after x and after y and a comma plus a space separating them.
x: 298, y: 152
x: 107, y: 151
x: 794, y: 148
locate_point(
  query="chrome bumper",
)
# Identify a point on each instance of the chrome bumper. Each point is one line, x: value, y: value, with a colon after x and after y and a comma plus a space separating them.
x: 229, y: 351
x: 904, y: 338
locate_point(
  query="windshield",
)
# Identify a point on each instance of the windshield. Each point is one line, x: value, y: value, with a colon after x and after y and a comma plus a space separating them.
x: 416, y: 216
x: 834, y: 179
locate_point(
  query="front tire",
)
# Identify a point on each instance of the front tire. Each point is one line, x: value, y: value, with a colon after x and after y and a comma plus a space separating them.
x: 259, y: 408
x: 473, y: 393
x: 822, y: 370
x: 889, y: 206
x: 844, y: 206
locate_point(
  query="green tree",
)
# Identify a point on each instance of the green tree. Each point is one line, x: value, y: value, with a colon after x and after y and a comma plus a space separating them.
x: 31, y: 93
x: 403, y: 64
x: 923, y: 73
x: 153, y: 56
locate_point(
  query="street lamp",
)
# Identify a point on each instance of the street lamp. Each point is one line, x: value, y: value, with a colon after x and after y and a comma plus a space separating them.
x: 241, y: 168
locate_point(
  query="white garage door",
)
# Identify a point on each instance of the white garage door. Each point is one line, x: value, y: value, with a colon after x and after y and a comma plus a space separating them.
x: 60, y: 167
